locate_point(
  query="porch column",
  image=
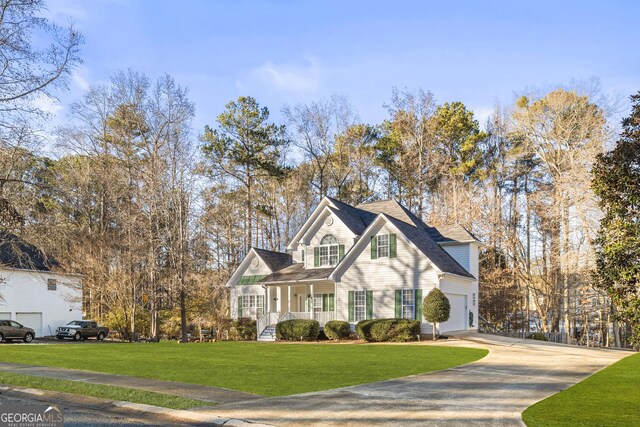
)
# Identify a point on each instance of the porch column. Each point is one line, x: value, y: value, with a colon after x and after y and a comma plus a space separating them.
x: 267, y: 306
x: 288, y: 298
x: 279, y: 299
x: 335, y: 299
x: 312, y: 309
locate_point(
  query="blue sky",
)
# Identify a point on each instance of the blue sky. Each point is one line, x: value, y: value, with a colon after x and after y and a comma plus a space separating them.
x: 282, y: 52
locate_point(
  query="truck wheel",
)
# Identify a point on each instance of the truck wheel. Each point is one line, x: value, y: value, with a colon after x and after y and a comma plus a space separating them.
x: 28, y: 337
x: 1, y: 338
x: 100, y: 336
x: 77, y: 336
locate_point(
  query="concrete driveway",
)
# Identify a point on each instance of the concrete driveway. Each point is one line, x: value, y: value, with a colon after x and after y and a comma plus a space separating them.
x: 490, y: 392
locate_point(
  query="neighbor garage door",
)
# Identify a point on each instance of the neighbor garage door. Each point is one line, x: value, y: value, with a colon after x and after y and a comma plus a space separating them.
x: 458, y: 316
x: 32, y: 320
x: 5, y: 315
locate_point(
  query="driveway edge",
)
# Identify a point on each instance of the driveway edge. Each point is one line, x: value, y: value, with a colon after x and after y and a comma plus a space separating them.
x: 123, y: 407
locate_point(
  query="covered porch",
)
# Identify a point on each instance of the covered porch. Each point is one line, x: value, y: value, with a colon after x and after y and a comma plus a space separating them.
x: 295, y: 300
x: 296, y: 293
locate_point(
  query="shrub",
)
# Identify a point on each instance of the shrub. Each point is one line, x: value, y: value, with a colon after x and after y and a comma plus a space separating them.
x: 436, y: 308
x: 537, y: 336
x: 363, y: 328
x: 393, y: 330
x: 337, y: 329
x: 298, y: 330
x: 243, y: 329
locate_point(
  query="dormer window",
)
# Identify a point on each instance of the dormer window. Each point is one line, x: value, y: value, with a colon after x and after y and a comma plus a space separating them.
x: 328, y: 251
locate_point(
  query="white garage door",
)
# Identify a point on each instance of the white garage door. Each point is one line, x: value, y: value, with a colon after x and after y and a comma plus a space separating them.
x: 31, y: 320
x: 5, y: 315
x: 458, y: 316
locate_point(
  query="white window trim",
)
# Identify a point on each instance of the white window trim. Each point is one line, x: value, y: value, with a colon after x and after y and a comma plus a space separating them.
x: 356, y: 306
x: 252, y: 306
x: 404, y: 305
x: 318, y: 302
x: 333, y: 253
x: 381, y: 246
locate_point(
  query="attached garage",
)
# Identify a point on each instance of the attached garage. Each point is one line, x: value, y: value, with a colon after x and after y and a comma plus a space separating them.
x: 458, y: 318
x: 31, y: 320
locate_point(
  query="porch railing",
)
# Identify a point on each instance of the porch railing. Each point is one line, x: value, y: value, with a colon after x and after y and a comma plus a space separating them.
x: 323, y: 316
x: 269, y: 318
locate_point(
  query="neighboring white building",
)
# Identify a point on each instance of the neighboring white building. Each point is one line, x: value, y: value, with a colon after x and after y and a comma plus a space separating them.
x: 31, y: 293
x: 374, y: 260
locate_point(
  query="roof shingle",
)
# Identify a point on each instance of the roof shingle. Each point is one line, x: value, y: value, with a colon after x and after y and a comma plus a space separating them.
x: 18, y: 253
x: 297, y: 273
x: 274, y: 260
x: 441, y: 258
x: 451, y: 234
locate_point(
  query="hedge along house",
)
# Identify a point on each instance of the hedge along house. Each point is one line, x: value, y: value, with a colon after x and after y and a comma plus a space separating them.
x: 32, y: 290
x: 374, y: 260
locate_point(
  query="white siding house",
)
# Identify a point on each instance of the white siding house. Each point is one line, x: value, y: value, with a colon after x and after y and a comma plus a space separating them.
x: 40, y: 300
x: 32, y: 294
x: 375, y: 260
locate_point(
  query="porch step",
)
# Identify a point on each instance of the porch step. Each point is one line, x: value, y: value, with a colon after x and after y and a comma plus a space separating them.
x: 269, y: 334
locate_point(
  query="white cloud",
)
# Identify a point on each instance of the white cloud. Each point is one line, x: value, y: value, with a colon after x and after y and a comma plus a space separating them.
x: 303, y: 77
x: 80, y: 80
x: 47, y: 104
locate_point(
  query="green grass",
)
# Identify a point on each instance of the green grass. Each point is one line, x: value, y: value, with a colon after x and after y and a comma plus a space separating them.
x: 103, y: 391
x: 608, y: 398
x: 268, y: 369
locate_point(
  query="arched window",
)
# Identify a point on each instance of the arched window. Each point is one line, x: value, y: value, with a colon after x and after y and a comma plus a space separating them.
x: 329, y: 239
x: 329, y: 250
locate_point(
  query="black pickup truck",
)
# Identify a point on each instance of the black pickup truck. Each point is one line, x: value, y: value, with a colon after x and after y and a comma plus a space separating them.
x: 81, y: 330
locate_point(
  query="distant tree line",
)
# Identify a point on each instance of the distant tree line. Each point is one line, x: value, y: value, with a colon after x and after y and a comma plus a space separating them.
x: 157, y: 214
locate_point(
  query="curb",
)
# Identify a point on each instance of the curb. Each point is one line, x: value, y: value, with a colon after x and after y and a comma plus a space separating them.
x: 121, y: 407
x: 185, y: 414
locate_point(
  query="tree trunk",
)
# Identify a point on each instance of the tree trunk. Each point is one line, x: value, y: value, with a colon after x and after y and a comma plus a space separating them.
x: 249, y: 231
x: 616, y: 327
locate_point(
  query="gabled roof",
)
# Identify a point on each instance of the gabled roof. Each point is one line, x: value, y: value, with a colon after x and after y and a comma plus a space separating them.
x: 391, y: 208
x: 432, y: 250
x: 17, y: 253
x: 274, y: 260
x: 356, y: 219
x: 451, y: 234
x: 427, y: 240
x: 297, y: 273
x: 417, y: 237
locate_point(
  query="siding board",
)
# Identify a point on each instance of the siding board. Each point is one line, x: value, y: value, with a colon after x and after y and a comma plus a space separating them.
x: 409, y: 270
x: 344, y: 235
x: 460, y: 253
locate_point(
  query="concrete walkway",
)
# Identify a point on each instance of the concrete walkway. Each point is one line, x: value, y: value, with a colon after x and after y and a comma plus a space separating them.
x: 490, y: 392
x: 208, y: 394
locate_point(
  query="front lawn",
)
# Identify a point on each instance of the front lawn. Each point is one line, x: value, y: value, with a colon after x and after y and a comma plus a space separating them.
x: 609, y: 398
x: 268, y: 369
x: 102, y: 391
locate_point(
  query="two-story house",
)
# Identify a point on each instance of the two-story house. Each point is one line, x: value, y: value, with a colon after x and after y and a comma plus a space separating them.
x: 374, y: 260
